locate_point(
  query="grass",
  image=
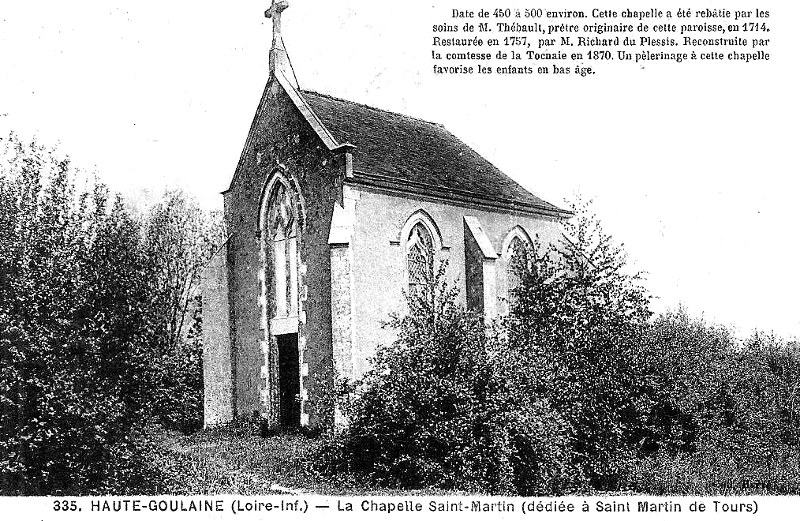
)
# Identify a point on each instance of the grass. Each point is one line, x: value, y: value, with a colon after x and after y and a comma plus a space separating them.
x: 717, y: 474
x: 238, y: 461
x: 235, y: 460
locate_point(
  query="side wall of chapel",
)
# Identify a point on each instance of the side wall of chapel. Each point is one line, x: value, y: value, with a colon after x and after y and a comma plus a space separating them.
x: 379, y: 260
x: 281, y: 140
x: 217, y: 376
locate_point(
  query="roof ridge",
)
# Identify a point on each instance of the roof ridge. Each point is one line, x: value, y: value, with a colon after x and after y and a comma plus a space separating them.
x: 336, y: 98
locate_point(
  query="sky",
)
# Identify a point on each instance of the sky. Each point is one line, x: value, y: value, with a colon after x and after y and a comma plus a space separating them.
x: 691, y: 166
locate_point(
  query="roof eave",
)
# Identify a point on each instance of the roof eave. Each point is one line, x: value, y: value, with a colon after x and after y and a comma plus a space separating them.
x: 456, y: 196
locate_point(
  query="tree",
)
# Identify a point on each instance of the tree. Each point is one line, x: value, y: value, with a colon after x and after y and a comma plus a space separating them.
x: 73, y: 375
x: 179, y: 240
x: 99, y: 324
x: 575, y: 324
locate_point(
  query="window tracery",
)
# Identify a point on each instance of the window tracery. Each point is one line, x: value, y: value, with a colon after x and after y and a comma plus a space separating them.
x: 281, y: 231
x: 419, y: 254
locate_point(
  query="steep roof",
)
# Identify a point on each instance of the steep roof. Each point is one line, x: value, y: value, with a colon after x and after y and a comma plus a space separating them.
x: 393, y: 151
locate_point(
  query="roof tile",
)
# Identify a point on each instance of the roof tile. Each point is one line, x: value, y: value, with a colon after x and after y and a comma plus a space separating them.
x: 406, y: 149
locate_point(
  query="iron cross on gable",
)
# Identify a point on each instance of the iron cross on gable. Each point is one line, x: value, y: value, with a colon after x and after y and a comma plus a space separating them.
x: 274, y: 12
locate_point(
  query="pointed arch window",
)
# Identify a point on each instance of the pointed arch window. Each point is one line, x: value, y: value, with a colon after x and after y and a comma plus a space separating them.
x: 419, y: 255
x: 517, y: 255
x: 281, y: 229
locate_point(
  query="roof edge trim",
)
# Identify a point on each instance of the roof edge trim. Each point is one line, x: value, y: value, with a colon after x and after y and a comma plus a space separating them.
x: 307, y: 112
x: 409, y: 187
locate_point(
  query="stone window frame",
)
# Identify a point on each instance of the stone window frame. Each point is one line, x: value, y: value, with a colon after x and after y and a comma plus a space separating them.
x: 281, y: 242
x: 280, y: 175
x: 271, y: 327
x: 420, y: 217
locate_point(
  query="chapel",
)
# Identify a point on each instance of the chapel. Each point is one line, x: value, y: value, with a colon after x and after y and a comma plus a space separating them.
x: 335, y: 211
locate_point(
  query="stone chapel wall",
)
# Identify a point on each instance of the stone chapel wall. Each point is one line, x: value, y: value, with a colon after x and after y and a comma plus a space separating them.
x: 281, y: 138
x: 217, y: 376
x: 379, y: 259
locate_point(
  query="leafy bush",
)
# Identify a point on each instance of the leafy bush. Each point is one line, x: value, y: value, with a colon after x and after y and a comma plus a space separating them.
x: 178, y: 396
x: 441, y: 408
x: 637, y: 390
x: 716, y: 405
x: 178, y: 239
x: 715, y: 472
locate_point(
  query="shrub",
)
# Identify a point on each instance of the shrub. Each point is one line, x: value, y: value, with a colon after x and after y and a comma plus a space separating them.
x: 178, y: 239
x: 441, y: 408
x: 178, y: 396
x: 716, y: 470
x: 719, y: 410
x: 579, y: 387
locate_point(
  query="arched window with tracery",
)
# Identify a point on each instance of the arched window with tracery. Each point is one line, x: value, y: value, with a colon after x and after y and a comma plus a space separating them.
x: 281, y: 239
x: 419, y: 255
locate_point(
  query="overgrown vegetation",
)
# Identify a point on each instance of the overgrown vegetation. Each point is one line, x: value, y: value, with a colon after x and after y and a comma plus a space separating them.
x: 443, y: 407
x: 578, y: 390
x: 719, y: 415
x: 99, y: 326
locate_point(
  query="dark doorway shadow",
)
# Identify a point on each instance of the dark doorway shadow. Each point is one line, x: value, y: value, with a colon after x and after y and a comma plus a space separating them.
x: 289, y: 378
